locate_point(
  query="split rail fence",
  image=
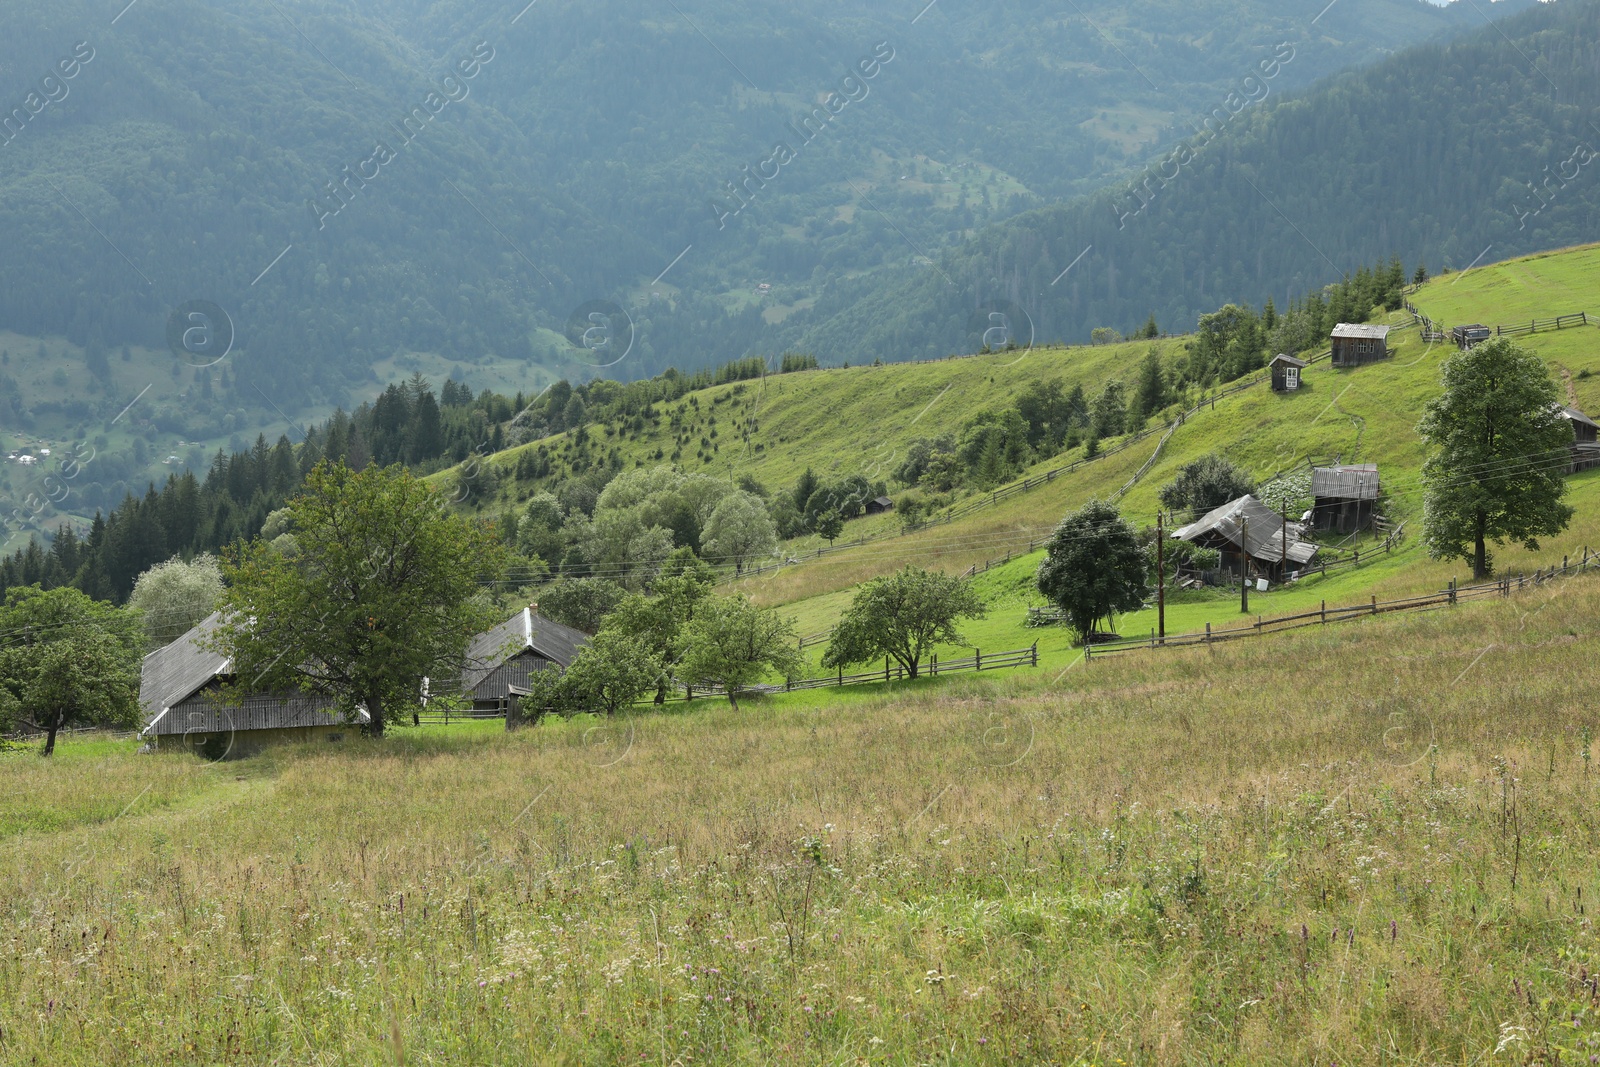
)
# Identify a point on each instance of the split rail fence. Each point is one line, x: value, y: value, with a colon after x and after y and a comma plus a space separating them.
x: 1448, y: 597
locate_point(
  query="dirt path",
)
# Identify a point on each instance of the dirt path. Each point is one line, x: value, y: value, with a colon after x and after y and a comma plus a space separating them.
x: 1566, y: 379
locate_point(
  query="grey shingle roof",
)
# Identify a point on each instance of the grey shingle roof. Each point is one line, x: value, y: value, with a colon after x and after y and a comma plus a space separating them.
x: 1265, y: 526
x: 523, y: 632
x: 1574, y: 415
x: 170, y: 674
x: 1285, y: 359
x: 1375, y: 333
x: 1352, y: 481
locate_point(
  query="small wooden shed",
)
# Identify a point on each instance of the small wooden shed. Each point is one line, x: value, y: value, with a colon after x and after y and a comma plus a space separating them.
x: 1585, y: 439
x: 1344, y: 498
x: 1286, y: 371
x: 181, y: 691
x: 504, y: 658
x: 1252, y: 539
x: 1474, y: 333
x: 1354, y: 345
x: 879, y: 505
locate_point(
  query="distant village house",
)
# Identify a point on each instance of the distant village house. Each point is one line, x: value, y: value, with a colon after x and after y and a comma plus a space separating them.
x: 1585, y: 439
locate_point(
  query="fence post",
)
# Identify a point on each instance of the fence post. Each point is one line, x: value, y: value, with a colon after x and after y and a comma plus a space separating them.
x: 1208, y: 633
x: 841, y: 676
x: 1035, y: 651
x: 1452, y: 589
x: 933, y: 668
x: 1374, y: 603
x: 977, y: 659
x: 1324, y: 613
x: 886, y: 668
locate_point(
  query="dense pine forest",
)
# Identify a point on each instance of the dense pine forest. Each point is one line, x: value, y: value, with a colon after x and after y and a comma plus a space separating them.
x: 1470, y: 151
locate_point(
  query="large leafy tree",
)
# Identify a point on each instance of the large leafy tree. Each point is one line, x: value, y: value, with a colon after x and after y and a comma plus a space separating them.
x: 661, y: 619
x: 1499, y: 449
x: 734, y: 644
x: 67, y: 660
x: 902, y: 616
x: 740, y: 530
x: 611, y: 672
x: 382, y: 594
x: 1208, y: 482
x: 1095, y: 567
x: 172, y: 596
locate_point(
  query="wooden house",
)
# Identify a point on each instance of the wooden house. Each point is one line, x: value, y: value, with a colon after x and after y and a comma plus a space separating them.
x: 181, y: 691
x: 1474, y: 333
x: 504, y: 658
x: 879, y: 506
x: 1585, y: 439
x: 1344, y: 498
x: 1252, y: 539
x: 1354, y: 345
x: 1286, y: 370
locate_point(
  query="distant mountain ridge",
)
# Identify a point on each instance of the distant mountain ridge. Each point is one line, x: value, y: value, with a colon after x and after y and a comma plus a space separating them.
x: 187, y: 161
x: 1471, y: 151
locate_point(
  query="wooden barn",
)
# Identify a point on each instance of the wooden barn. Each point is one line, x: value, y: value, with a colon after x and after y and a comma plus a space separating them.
x: 1585, y: 439
x: 1474, y: 333
x: 1252, y: 539
x: 1286, y: 371
x: 879, y: 506
x: 181, y: 691
x: 1344, y: 498
x: 503, y: 659
x: 1355, y: 345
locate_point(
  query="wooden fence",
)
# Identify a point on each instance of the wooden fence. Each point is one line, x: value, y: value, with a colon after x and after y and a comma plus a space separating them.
x: 1454, y: 594
x: 1434, y: 331
x: 1560, y: 322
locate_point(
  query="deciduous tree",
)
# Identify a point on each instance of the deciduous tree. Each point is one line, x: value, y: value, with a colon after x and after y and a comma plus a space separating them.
x: 1499, y: 450
x: 382, y: 595
x: 1095, y: 567
x: 734, y: 644
x: 902, y: 616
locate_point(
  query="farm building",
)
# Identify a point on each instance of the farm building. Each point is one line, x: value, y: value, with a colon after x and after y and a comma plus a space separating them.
x: 1474, y: 333
x: 1585, y: 439
x: 1344, y: 498
x: 879, y: 506
x: 1252, y: 537
x: 505, y: 657
x: 1355, y: 345
x: 181, y: 692
x: 1286, y: 371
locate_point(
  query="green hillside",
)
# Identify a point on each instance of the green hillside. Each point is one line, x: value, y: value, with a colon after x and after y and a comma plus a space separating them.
x: 1364, y: 415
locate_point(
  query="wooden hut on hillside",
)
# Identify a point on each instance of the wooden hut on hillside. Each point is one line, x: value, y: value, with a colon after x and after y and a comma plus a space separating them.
x: 503, y: 659
x: 1252, y: 539
x: 1585, y: 439
x: 1355, y: 345
x: 1344, y: 498
x: 1286, y: 371
x: 181, y: 689
x: 879, y: 505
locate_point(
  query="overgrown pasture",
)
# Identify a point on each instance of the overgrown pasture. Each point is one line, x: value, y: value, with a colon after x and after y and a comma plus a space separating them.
x: 1368, y: 843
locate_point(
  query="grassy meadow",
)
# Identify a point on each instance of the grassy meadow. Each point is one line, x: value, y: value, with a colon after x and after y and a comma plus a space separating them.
x: 1366, y: 843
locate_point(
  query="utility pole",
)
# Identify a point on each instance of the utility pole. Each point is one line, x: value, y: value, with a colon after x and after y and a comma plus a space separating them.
x: 1161, y: 578
x: 1283, y: 513
x: 1244, y: 566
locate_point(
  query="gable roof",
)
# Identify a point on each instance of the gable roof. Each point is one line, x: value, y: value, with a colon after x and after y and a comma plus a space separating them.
x: 1374, y: 333
x: 1265, y: 529
x: 1574, y: 415
x: 1285, y: 359
x: 1351, y: 481
x: 523, y: 632
x: 169, y: 675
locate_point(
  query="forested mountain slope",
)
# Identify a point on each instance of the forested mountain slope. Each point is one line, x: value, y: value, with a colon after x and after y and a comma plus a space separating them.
x: 1479, y: 149
x: 203, y: 150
